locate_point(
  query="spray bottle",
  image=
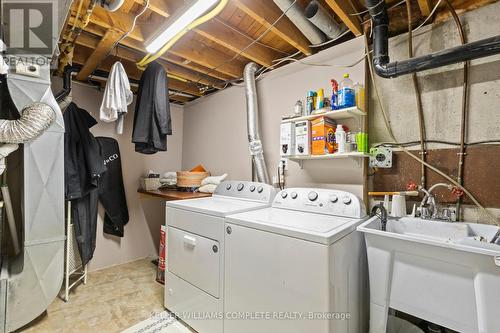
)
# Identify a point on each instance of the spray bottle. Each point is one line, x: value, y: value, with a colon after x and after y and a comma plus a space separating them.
x: 335, y: 88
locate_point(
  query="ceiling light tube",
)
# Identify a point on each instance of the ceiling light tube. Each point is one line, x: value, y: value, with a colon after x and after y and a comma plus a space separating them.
x: 178, y: 23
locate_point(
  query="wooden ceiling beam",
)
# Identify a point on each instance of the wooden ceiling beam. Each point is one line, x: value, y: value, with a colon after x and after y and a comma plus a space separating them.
x: 343, y: 8
x: 266, y: 13
x: 206, y: 56
x: 219, y: 33
x: 91, y: 42
x: 425, y: 7
x: 99, y: 53
x: 135, y: 73
x: 158, y: 6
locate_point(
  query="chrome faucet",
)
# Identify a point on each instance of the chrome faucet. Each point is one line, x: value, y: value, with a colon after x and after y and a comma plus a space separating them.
x: 428, y: 206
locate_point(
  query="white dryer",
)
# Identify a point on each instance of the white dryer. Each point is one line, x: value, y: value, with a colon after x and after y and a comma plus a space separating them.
x: 298, y: 266
x: 194, y: 284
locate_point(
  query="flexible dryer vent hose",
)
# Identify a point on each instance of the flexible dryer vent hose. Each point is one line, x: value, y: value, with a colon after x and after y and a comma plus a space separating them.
x: 35, y: 119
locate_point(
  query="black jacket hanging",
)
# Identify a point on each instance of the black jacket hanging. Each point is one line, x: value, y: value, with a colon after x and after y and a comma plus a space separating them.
x: 111, y: 189
x: 152, y: 121
x: 83, y: 169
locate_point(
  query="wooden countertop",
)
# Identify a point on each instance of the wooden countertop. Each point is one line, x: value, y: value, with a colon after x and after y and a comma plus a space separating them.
x: 169, y: 195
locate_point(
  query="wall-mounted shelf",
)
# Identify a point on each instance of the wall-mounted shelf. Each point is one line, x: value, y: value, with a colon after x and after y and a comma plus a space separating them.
x: 354, y: 155
x: 335, y: 115
x: 328, y: 156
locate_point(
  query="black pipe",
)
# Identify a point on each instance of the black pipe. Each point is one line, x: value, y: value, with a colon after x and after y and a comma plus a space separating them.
x: 378, y: 12
x: 68, y: 70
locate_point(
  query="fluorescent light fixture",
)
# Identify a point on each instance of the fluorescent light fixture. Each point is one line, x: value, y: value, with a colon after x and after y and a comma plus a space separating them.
x: 178, y: 23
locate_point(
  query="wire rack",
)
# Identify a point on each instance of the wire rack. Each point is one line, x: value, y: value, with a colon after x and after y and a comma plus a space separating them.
x: 74, y: 271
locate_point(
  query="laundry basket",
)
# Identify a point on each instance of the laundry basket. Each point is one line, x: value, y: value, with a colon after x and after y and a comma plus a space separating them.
x: 398, y: 325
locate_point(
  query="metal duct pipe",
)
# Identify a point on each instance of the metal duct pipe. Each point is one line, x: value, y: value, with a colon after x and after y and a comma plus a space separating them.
x: 294, y: 13
x: 35, y: 119
x: 378, y: 12
x: 256, y: 149
x: 68, y: 70
x: 322, y: 19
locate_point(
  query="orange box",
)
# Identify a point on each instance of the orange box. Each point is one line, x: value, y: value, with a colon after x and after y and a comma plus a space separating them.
x: 323, y: 136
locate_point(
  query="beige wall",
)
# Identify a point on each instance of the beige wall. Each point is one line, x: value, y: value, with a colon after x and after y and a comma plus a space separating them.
x: 146, y: 214
x: 215, y: 126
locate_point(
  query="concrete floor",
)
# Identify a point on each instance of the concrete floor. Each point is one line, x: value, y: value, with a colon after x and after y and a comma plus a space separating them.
x: 114, y: 299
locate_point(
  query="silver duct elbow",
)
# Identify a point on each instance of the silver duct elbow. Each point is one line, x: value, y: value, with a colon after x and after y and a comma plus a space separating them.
x: 256, y: 149
x: 35, y: 119
x: 322, y: 19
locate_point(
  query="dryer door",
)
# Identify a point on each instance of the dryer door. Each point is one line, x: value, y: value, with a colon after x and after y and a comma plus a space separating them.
x: 195, y: 259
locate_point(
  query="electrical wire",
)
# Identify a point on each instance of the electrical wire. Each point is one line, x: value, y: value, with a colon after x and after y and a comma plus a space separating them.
x: 431, y: 167
x: 248, y: 37
x: 249, y: 45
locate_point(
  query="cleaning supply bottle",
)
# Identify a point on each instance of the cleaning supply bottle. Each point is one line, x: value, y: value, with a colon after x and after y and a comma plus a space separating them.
x: 334, y: 103
x: 340, y: 139
x: 320, y: 99
x: 347, y: 96
x: 310, y: 103
x: 359, y: 91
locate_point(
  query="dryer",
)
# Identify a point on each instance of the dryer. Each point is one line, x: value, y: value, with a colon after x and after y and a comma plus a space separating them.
x: 194, y: 277
x: 298, y: 266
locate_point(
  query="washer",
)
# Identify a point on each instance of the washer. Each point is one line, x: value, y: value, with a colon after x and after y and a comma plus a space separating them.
x: 194, y: 284
x: 298, y: 266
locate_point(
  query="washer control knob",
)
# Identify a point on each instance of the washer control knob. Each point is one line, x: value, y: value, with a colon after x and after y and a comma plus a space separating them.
x: 347, y: 200
x: 312, y: 196
x: 252, y: 188
x: 334, y: 198
x: 260, y: 189
x: 294, y: 195
x: 229, y: 230
x: 284, y: 195
x: 240, y: 186
x: 228, y: 187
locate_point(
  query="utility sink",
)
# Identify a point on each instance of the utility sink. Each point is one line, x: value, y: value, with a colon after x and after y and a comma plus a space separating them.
x: 447, y: 273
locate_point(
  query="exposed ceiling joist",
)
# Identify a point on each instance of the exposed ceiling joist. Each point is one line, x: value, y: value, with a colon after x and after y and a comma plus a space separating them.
x: 234, y: 41
x: 92, y: 42
x: 266, y: 13
x: 135, y: 73
x: 158, y: 6
x: 425, y: 7
x: 99, y: 54
x: 207, y: 56
x: 343, y: 8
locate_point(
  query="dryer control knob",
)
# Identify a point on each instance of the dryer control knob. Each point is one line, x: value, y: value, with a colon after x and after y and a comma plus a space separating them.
x: 252, y: 188
x: 347, y: 200
x: 260, y: 189
x: 240, y: 186
x: 284, y: 194
x: 312, y: 196
x: 228, y: 187
x: 334, y: 198
x: 294, y: 195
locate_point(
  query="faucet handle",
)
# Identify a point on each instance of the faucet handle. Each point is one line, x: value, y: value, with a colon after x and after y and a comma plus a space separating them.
x: 446, y: 214
x: 425, y: 213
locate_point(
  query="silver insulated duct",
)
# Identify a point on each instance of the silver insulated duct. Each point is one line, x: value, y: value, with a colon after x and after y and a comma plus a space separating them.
x: 30, y: 281
x: 322, y: 19
x: 256, y: 149
x: 293, y: 11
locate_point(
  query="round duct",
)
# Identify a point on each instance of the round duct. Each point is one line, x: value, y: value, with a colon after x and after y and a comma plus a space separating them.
x: 111, y: 5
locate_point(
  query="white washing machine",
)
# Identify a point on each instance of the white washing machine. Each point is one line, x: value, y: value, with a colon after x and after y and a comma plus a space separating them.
x: 194, y: 284
x: 298, y: 266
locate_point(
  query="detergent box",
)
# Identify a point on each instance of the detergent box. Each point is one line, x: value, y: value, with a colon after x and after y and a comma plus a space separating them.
x: 323, y: 136
x: 287, y: 139
x: 303, y: 137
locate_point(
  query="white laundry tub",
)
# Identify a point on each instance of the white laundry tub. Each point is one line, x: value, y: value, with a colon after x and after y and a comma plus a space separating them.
x: 435, y: 271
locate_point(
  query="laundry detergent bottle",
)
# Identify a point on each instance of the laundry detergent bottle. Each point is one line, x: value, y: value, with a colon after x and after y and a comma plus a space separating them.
x: 346, y: 94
